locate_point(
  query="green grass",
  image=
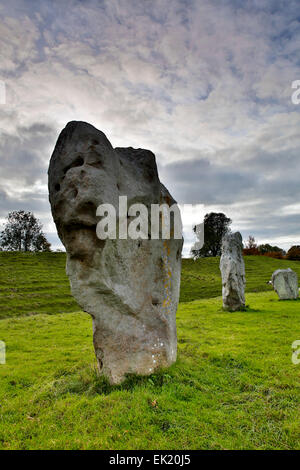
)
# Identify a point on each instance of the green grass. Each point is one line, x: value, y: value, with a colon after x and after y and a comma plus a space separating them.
x: 201, y: 279
x: 32, y: 283
x: 37, y: 283
x: 233, y: 387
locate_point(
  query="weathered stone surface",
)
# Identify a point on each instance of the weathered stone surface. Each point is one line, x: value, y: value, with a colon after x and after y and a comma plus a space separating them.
x: 285, y: 284
x: 129, y: 287
x: 233, y: 272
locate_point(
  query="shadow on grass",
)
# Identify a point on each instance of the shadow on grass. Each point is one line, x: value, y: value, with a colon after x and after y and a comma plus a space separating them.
x: 91, y: 383
x: 246, y: 309
x: 249, y: 309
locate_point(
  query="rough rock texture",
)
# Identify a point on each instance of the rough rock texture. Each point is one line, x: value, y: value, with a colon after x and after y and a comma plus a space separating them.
x: 285, y: 284
x: 129, y: 287
x: 233, y: 272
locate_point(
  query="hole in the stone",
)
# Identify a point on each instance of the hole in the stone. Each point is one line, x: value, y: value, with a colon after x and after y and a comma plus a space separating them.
x: 95, y: 142
x: 57, y: 187
x: 96, y: 164
x: 78, y: 162
x: 74, y: 193
x: 100, y: 365
x: 100, y: 357
x: 87, y: 209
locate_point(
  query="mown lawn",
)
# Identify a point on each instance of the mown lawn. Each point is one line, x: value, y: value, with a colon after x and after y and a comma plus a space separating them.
x: 233, y: 387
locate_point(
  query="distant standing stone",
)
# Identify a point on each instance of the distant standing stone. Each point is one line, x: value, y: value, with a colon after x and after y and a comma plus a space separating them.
x: 232, y: 268
x: 285, y: 283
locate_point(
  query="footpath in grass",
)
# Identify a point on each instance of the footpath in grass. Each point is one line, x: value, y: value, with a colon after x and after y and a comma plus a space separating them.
x: 233, y: 387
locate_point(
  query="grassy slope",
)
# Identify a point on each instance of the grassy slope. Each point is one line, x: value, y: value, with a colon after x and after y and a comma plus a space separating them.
x: 201, y: 279
x: 34, y: 283
x: 234, y: 385
x: 37, y: 283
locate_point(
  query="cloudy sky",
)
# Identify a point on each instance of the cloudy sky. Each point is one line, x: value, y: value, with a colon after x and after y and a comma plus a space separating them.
x: 206, y: 85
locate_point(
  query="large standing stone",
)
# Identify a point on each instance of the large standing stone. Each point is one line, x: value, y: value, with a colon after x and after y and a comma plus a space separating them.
x: 285, y: 283
x: 129, y: 287
x: 233, y: 272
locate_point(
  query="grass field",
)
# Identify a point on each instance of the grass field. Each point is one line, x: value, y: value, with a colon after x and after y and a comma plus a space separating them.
x: 32, y: 283
x: 233, y: 387
x: 201, y: 279
x: 37, y: 283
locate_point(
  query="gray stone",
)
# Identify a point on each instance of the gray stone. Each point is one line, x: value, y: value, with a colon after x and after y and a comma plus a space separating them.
x: 285, y: 284
x: 233, y: 272
x: 129, y: 287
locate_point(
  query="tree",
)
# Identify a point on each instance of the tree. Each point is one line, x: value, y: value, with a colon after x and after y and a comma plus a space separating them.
x: 216, y: 225
x: 266, y: 248
x: 23, y: 232
x: 294, y: 253
x: 251, y: 247
x: 269, y: 250
x: 251, y: 243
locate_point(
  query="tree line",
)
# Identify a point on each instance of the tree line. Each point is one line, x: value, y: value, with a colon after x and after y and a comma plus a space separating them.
x: 253, y: 249
x: 23, y: 232
x: 216, y: 225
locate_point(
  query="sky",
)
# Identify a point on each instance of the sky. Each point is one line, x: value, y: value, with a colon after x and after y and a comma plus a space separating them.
x: 205, y: 85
